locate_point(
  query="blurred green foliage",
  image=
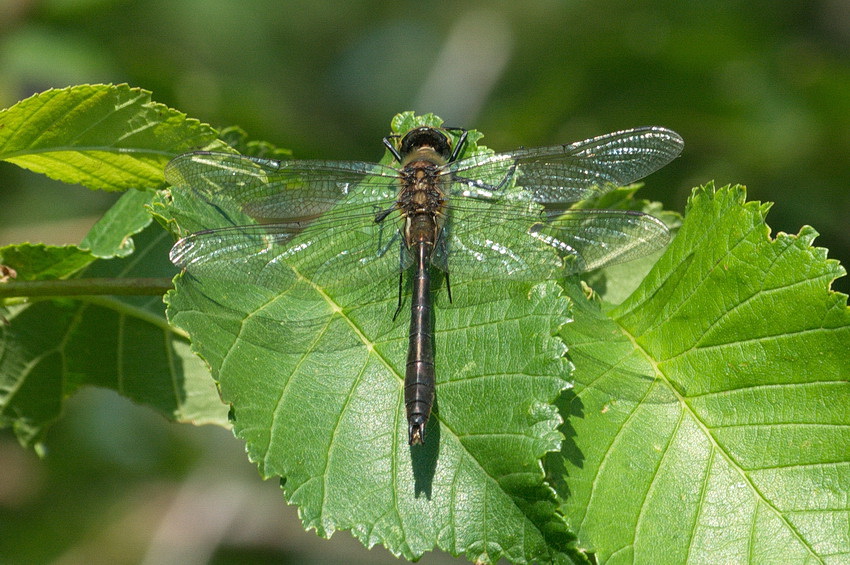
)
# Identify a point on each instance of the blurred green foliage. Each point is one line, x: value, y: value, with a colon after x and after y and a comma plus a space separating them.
x: 758, y: 90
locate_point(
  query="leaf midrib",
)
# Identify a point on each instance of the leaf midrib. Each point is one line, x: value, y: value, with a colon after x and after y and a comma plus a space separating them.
x: 86, y: 149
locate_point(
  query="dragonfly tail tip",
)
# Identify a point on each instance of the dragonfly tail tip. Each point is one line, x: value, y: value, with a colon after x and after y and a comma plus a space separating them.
x: 417, y: 433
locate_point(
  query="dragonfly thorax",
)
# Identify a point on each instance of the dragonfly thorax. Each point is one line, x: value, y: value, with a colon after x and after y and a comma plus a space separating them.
x: 422, y: 189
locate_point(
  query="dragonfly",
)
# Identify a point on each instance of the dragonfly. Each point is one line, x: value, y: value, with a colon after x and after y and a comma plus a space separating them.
x: 505, y: 216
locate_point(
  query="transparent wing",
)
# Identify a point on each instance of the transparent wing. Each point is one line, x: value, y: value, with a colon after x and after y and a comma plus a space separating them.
x: 339, y: 248
x: 528, y: 244
x: 562, y: 174
x: 280, y: 191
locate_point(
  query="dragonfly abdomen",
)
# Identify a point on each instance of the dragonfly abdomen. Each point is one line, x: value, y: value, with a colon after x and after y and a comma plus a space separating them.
x: 419, y: 374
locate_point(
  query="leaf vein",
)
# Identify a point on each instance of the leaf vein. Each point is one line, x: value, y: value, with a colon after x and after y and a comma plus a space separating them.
x: 796, y: 333
x: 765, y: 386
x: 758, y: 294
x: 707, y: 431
x: 704, y: 280
x: 651, y: 486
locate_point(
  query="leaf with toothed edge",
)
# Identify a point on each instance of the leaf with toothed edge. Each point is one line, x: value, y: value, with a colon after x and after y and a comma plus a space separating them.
x: 710, y: 419
x: 105, y: 137
x: 314, y: 377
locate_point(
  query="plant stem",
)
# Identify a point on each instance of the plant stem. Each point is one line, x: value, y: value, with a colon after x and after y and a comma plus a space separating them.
x: 83, y: 287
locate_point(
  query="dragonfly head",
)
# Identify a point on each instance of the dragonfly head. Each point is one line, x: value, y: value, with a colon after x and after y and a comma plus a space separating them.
x: 425, y: 137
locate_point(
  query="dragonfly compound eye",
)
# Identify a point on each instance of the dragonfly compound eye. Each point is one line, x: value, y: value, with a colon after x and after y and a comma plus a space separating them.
x: 426, y: 137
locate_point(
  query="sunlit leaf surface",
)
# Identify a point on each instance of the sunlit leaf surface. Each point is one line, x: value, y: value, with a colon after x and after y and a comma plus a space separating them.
x: 105, y: 137
x: 711, y: 414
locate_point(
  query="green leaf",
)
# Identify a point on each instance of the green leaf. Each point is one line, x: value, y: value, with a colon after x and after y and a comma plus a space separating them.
x: 48, y: 349
x: 112, y: 138
x: 111, y: 235
x: 710, y: 416
x: 102, y: 136
x: 315, y: 376
x: 36, y: 261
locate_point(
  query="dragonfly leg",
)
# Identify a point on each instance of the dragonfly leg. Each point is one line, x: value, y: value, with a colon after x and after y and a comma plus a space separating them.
x: 460, y: 142
x: 391, y: 147
x: 508, y: 178
x: 400, y: 289
x: 382, y: 215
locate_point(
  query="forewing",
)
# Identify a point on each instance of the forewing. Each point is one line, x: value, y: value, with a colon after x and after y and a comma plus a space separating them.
x: 563, y: 174
x: 280, y: 191
x: 518, y: 243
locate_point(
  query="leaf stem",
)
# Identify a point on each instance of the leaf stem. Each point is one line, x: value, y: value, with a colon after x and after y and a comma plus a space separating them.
x: 84, y: 287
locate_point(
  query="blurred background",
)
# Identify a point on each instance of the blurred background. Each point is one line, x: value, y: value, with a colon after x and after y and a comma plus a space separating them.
x: 760, y: 91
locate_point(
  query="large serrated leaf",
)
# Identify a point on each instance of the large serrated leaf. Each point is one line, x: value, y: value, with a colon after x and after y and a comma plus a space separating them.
x: 315, y: 376
x: 711, y: 421
x: 320, y: 403
x: 105, y: 137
